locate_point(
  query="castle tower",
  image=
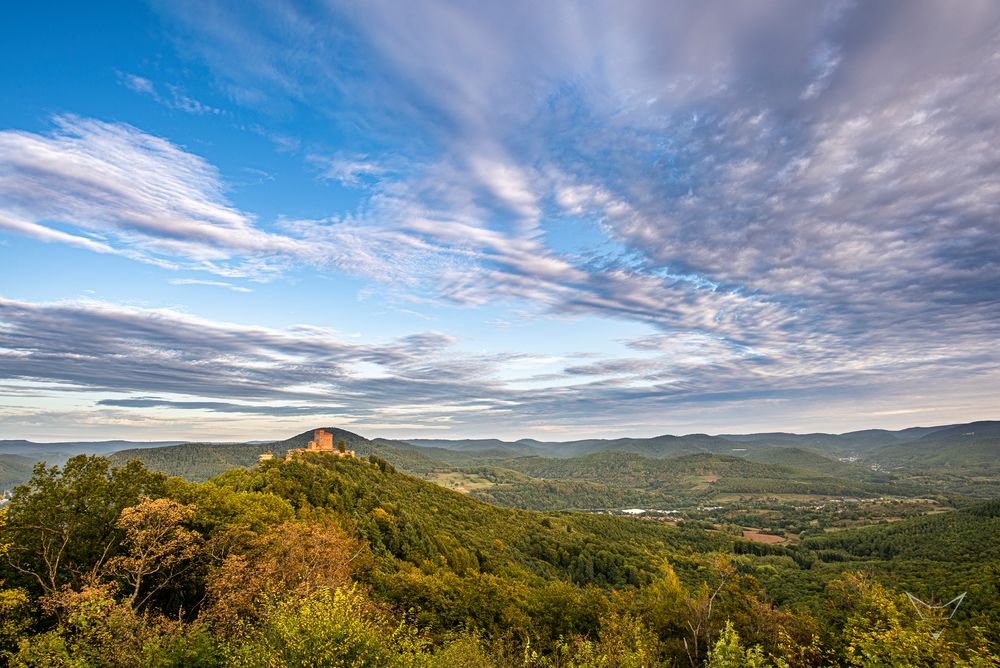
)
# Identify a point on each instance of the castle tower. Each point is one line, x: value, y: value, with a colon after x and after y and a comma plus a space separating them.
x: 322, y: 441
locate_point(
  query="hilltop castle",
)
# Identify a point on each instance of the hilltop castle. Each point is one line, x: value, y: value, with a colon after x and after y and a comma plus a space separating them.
x: 322, y: 441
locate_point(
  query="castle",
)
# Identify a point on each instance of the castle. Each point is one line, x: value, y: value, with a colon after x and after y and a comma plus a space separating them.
x: 322, y: 441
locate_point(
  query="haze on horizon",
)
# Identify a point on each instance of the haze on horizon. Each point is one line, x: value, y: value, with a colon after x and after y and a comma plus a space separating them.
x: 233, y: 221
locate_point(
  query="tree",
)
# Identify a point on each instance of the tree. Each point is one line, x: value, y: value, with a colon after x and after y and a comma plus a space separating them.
x: 292, y: 561
x: 14, y: 610
x: 728, y: 652
x: 159, y: 548
x: 329, y: 628
x: 98, y: 630
x: 699, y: 608
x: 882, y: 629
x: 62, y: 525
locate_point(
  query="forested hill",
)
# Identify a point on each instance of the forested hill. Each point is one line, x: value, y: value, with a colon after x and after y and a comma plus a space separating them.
x: 57, y: 453
x: 417, y: 521
x: 320, y: 560
x: 201, y: 461
x: 862, y: 443
x: 600, y: 480
x: 957, y: 459
x: 14, y: 469
x: 688, y: 476
x: 658, y: 446
x: 976, y: 444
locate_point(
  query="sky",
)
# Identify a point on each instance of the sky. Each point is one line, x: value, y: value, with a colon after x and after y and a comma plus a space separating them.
x: 558, y: 220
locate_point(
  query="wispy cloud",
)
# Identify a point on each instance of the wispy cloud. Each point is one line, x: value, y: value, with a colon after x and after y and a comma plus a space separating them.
x: 135, y: 191
x: 215, y: 284
x: 172, y: 96
x: 351, y: 171
x: 155, y: 360
x: 120, y: 190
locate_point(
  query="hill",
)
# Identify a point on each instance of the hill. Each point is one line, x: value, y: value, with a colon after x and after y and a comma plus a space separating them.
x: 608, y: 479
x: 629, y: 479
x: 657, y: 446
x: 58, y: 453
x: 17, y: 457
x: 14, y: 470
x: 967, y: 535
x: 521, y: 581
x: 416, y: 521
x: 850, y: 443
x: 201, y: 461
x: 813, y: 461
x: 973, y: 445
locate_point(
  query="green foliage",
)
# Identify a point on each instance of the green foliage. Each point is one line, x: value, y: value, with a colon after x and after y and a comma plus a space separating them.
x: 220, y: 507
x: 324, y: 561
x: 98, y: 630
x: 729, y: 652
x: 61, y: 525
x: 328, y: 628
x: 15, y: 616
x: 883, y: 630
x: 14, y: 470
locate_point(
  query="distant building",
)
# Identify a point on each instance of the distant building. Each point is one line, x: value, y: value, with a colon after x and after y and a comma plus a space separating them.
x: 322, y: 442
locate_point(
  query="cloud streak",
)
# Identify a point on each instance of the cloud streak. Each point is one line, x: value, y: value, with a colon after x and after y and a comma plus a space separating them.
x: 156, y: 360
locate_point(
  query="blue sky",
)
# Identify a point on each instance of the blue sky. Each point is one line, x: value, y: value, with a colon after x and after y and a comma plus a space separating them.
x: 233, y: 220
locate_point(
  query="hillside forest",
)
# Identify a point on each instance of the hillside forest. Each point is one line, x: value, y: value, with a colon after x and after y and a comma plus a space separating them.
x: 762, y: 550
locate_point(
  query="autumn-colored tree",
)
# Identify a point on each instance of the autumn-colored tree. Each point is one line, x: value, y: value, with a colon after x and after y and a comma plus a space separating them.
x: 699, y: 608
x: 159, y: 548
x: 294, y: 560
x: 99, y: 630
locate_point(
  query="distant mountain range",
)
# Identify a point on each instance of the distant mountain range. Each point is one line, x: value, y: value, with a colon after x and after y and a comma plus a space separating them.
x: 58, y: 453
x: 857, y: 462
x: 856, y: 443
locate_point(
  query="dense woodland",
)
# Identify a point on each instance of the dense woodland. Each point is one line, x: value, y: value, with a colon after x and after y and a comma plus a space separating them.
x: 320, y: 561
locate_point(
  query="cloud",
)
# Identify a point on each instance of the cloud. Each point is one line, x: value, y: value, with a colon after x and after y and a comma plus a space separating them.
x: 102, y: 346
x: 120, y: 190
x: 125, y: 187
x: 67, y: 353
x: 221, y: 407
x: 174, y: 97
x: 217, y: 284
x: 351, y: 171
x: 791, y: 196
x: 829, y: 165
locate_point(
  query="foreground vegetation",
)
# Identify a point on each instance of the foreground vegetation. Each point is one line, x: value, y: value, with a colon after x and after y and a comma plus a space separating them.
x: 326, y: 562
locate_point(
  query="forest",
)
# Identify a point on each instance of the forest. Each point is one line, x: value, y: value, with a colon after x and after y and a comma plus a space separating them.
x: 321, y: 561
